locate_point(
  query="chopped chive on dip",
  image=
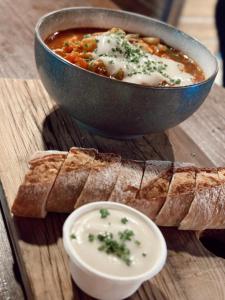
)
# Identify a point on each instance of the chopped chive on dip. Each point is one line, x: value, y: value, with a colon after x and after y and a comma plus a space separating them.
x: 126, y: 235
x: 124, y: 220
x: 119, y: 249
x: 113, y: 246
x: 110, y: 245
x: 91, y: 237
x: 138, y: 243
x: 104, y: 213
x: 73, y: 236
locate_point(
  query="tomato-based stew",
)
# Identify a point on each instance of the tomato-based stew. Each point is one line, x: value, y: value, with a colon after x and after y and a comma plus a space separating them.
x: 128, y: 57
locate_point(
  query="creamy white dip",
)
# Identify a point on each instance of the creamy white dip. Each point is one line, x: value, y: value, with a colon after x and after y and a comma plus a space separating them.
x: 139, y: 66
x: 96, y: 230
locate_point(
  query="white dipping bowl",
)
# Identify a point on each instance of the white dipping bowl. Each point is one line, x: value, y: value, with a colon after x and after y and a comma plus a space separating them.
x: 101, y: 285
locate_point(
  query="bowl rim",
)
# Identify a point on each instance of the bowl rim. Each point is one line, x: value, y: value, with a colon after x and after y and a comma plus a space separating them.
x: 76, y: 259
x: 45, y: 16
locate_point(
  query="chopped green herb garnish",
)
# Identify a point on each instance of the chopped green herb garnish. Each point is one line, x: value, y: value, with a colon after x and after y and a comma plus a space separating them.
x: 178, y: 81
x: 104, y: 213
x: 113, y: 247
x: 138, y: 243
x: 144, y: 254
x: 137, y: 58
x: 126, y: 235
x: 73, y: 236
x: 102, y: 237
x: 91, y: 237
x: 124, y: 220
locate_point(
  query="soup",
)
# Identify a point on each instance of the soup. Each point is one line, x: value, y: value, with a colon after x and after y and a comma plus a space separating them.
x: 128, y: 57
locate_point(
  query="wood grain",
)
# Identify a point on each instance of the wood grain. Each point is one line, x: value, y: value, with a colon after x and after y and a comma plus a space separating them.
x: 211, y: 117
x: 17, y: 60
x: 32, y: 122
x: 18, y: 21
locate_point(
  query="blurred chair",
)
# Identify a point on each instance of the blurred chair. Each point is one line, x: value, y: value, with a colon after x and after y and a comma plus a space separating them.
x: 166, y: 10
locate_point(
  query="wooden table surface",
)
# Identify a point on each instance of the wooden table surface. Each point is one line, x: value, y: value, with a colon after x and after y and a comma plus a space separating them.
x: 18, y: 20
x: 200, y: 139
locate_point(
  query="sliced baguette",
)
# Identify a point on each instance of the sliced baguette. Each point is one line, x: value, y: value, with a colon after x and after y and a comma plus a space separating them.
x: 70, y: 180
x: 154, y: 187
x: 180, y: 195
x: 201, y: 210
x: 33, y: 193
x: 218, y: 220
x: 128, y: 182
x: 101, y: 180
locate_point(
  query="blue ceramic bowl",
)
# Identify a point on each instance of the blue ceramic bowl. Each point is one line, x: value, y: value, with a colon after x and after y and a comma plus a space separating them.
x: 110, y: 107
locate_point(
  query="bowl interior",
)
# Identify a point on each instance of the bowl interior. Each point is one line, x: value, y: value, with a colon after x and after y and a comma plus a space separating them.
x: 82, y: 17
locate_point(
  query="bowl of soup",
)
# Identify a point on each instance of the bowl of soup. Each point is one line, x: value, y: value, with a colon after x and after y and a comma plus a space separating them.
x: 112, y: 249
x: 121, y: 74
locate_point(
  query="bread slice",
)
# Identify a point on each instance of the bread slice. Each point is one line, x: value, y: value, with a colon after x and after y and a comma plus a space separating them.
x: 201, y: 210
x: 70, y: 180
x: 180, y: 195
x: 128, y: 182
x: 218, y: 219
x: 154, y: 187
x: 101, y: 180
x: 33, y: 193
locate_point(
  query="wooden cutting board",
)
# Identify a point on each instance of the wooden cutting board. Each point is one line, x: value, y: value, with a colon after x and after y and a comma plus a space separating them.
x: 30, y: 121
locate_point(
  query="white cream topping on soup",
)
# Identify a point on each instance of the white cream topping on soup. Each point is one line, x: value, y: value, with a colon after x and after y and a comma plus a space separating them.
x: 115, y: 242
x: 138, y: 66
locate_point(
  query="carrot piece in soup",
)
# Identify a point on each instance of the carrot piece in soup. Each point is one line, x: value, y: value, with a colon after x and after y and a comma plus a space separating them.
x: 68, y: 49
x: 81, y: 62
x: 70, y: 57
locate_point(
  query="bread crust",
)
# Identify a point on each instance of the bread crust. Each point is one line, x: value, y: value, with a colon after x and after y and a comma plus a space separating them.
x: 71, y: 180
x: 180, y: 195
x: 154, y: 187
x: 172, y: 194
x: 32, y: 194
x: 218, y: 219
x: 201, y: 210
x: 128, y: 182
x: 101, y: 179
